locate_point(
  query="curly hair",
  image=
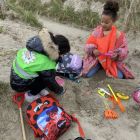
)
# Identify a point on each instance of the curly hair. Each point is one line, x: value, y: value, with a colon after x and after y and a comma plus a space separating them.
x: 111, y: 8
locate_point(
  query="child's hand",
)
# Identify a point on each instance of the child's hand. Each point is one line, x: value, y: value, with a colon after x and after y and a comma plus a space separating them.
x: 96, y: 52
x: 114, y: 57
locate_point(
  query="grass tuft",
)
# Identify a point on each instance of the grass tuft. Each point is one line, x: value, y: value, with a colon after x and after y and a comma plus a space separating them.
x: 26, y: 15
x: 28, y: 9
x: 55, y: 10
x: 2, y: 15
x: 1, y: 29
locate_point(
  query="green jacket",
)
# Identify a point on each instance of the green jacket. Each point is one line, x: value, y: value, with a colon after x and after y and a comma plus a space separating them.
x: 27, y: 64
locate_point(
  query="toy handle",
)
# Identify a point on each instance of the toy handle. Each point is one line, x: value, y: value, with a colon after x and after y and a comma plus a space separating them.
x: 122, y: 108
x: 19, y: 99
x: 22, y: 124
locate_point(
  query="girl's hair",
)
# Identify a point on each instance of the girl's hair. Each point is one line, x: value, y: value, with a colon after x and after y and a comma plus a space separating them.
x: 111, y: 8
x: 63, y: 44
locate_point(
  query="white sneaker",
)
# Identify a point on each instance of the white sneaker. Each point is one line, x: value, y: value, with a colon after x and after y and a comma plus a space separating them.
x: 30, y: 98
x: 44, y: 92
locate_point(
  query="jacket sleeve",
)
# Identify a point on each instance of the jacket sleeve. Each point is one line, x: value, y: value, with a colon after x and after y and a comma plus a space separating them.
x: 48, y: 77
x: 122, y: 47
x: 91, y: 42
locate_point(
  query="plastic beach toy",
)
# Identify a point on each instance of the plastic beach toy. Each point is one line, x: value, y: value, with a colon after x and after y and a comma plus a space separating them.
x: 122, y: 96
x: 136, y: 95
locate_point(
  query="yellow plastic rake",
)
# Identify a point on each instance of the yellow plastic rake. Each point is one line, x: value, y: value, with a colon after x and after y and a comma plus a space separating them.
x: 118, y: 101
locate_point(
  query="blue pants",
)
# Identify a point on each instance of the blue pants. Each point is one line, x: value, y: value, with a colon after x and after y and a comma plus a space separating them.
x: 94, y: 70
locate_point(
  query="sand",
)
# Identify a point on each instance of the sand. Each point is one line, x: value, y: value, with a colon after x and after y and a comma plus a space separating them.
x: 81, y: 99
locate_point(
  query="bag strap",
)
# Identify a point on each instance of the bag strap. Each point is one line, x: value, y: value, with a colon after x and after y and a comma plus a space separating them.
x: 81, y: 131
x: 52, y: 96
x: 36, y: 134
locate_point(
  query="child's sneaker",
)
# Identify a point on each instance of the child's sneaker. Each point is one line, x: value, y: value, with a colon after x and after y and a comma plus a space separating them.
x: 30, y: 98
x: 44, y: 92
x: 79, y: 138
x: 60, y: 81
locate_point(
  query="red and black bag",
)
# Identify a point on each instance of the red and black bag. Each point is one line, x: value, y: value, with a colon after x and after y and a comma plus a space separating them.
x: 48, y: 119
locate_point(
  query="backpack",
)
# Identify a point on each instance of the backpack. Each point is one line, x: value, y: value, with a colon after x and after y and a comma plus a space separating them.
x: 48, y: 119
x: 70, y: 63
x: 76, y: 62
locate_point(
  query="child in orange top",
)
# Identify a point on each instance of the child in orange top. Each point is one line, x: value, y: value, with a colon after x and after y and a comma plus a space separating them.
x: 107, y: 46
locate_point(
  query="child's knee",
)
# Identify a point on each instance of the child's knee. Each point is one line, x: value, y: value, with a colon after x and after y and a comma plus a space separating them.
x: 120, y: 74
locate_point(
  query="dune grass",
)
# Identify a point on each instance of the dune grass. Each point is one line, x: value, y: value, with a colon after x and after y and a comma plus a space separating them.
x: 25, y: 15
x: 28, y: 10
x: 55, y: 10
x: 2, y: 15
x: 1, y: 29
x: 2, y: 12
x: 67, y: 15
